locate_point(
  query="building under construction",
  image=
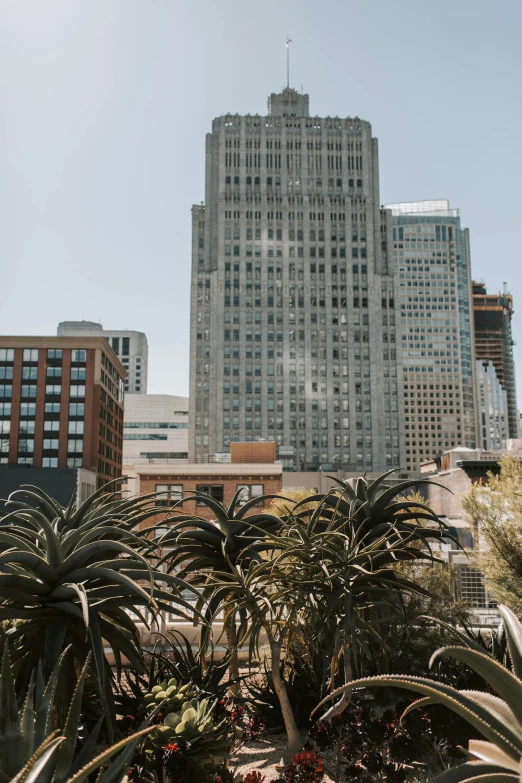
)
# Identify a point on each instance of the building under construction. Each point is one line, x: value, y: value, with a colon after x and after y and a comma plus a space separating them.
x: 494, y: 342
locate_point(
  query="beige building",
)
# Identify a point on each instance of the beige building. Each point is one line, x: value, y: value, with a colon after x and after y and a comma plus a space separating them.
x: 155, y: 427
x: 293, y: 296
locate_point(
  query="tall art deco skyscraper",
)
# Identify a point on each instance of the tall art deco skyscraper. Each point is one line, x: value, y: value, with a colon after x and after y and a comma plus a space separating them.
x: 293, y: 295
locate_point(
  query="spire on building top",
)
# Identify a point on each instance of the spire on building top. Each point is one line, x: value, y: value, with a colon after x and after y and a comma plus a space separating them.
x: 287, y: 44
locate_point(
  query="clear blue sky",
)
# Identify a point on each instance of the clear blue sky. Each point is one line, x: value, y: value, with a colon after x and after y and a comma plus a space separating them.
x: 104, y: 106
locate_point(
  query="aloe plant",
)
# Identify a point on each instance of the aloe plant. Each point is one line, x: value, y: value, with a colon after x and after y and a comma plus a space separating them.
x: 201, y: 547
x: 31, y: 751
x: 73, y: 576
x: 496, y: 715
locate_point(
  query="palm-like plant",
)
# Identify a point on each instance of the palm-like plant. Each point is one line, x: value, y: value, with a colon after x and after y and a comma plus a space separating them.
x: 73, y: 576
x: 372, y: 508
x: 349, y: 547
x: 31, y: 751
x: 201, y: 548
x: 496, y: 715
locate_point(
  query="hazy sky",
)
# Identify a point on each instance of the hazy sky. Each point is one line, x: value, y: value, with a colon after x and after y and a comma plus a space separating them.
x: 104, y: 106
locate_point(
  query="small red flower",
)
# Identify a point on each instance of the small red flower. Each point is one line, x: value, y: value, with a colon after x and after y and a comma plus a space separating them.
x: 253, y: 777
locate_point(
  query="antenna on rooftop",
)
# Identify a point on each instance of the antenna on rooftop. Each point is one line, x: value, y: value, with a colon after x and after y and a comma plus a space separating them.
x: 287, y: 44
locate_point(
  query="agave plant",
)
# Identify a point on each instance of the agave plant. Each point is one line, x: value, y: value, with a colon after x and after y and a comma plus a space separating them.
x: 31, y: 751
x: 372, y: 508
x: 496, y: 715
x: 202, y: 547
x: 73, y: 576
x: 232, y: 536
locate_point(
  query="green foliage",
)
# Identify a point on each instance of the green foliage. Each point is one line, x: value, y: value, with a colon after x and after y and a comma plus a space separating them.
x: 496, y: 714
x: 71, y: 576
x: 31, y: 751
x: 202, y: 546
x: 171, y: 695
x: 496, y: 510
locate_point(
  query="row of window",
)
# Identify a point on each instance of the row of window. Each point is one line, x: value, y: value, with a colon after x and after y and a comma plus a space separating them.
x: 47, y: 462
x: 276, y: 181
x: 28, y: 409
x: 315, y: 235
x: 26, y: 445
x: 32, y: 354
x: 28, y: 426
x: 29, y: 391
x: 293, y: 252
x: 171, y: 493
x: 158, y: 425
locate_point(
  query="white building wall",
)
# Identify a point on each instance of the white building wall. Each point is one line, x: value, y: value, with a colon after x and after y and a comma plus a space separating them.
x: 155, y: 426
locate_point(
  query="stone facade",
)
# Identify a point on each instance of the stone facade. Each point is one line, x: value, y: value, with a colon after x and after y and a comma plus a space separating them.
x: 293, y: 309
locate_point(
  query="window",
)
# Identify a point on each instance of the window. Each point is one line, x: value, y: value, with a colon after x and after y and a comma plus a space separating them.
x: 170, y: 494
x: 28, y: 390
x: 77, y: 391
x: 51, y: 444
x: 52, y: 426
x: 52, y: 407
x: 54, y: 353
x: 26, y: 427
x: 78, y: 373
x: 214, y: 490
x: 75, y: 445
x: 76, y: 409
x: 250, y: 491
x: 6, y: 373
x: 26, y: 445
x: 52, y: 372
x: 5, y: 408
x: 30, y: 354
x: 6, y: 391
x: 79, y: 355
x: 27, y: 409
x: 6, y: 354
x: 74, y: 462
x: 49, y: 462
x: 50, y: 390
x: 25, y: 460
x: 116, y: 344
x: 125, y: 343
x: 28, y: 373
x: 76, y: 428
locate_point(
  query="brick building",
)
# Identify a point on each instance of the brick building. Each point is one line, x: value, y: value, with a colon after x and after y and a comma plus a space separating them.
x: 221, y: 481
x: 61, y: 404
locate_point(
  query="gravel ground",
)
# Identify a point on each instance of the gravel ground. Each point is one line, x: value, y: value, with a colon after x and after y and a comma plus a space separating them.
x: 262, y: 755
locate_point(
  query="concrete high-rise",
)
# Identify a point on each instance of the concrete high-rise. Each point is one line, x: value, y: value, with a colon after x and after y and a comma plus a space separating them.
x: 130, y: 347
x: 431, y: 256
x: 494, y: 342
x: 293, y: 310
